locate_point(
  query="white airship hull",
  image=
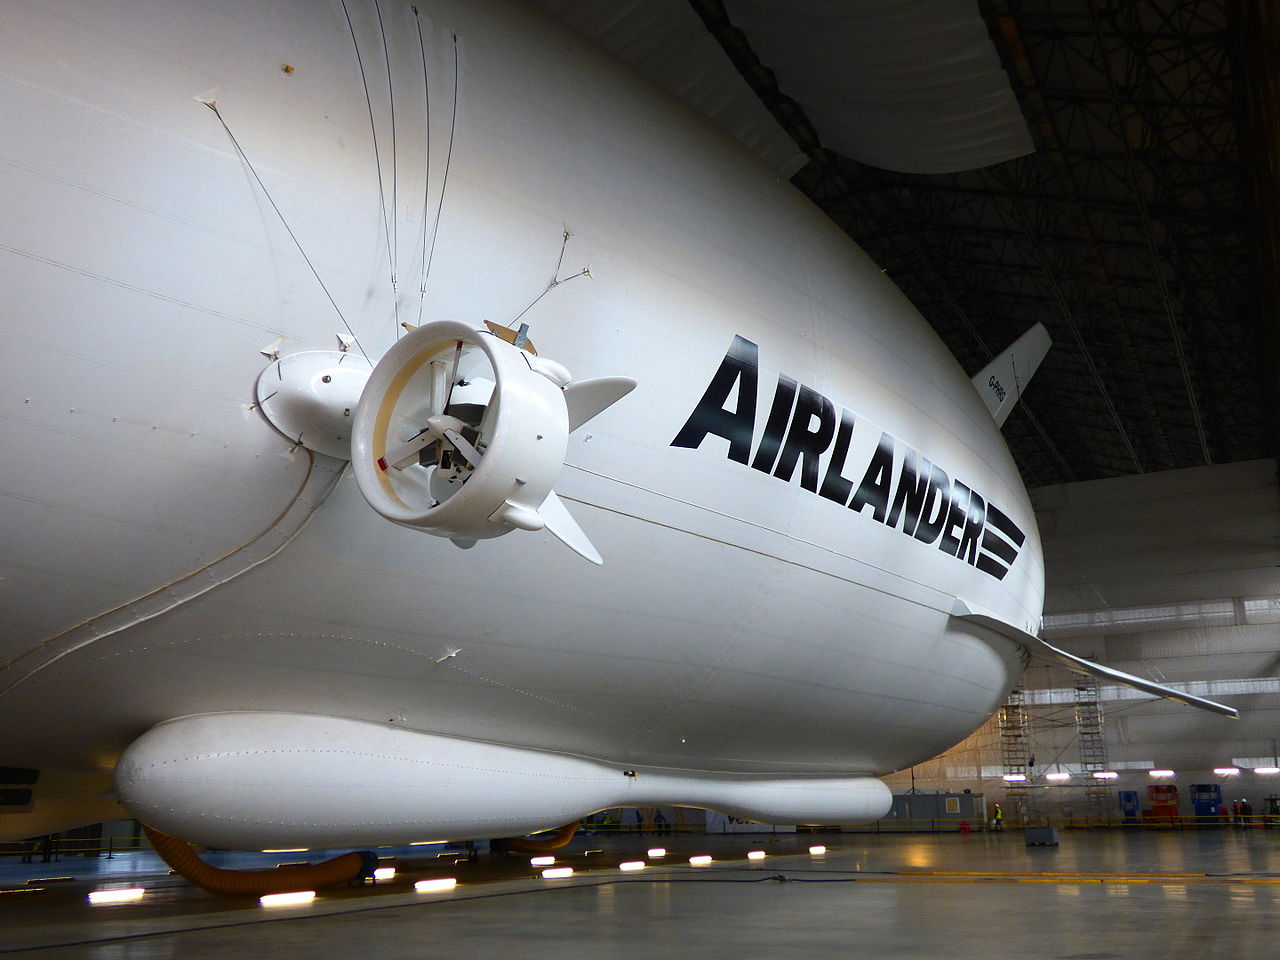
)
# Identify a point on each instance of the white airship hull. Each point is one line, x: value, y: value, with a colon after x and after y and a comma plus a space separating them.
x: 167, y: 552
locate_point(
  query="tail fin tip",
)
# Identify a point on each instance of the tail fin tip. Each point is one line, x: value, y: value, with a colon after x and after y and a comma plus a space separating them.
x: 1002, y: 381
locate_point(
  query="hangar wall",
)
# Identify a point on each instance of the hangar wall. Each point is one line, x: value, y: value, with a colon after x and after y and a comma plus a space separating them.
x: 1173, y: 576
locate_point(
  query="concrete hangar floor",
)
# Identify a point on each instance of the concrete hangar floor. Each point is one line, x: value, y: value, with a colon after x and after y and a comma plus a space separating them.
x: 1098, y: 895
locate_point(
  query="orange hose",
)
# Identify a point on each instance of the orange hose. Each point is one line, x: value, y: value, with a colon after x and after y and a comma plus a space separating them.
x: 560, y: 840
x: 179, y: 855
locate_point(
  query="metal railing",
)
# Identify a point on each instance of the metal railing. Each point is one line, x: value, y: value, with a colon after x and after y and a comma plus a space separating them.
x: 948, y: 825
x: 40, y: 850
x: 58, y: 848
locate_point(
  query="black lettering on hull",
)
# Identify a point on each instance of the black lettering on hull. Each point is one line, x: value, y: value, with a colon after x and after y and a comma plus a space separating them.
x: 910, y: 495
x: 950, y: 541
x: 921, y: 500
x: 937, y: 503
x: 973, y: 520
x: 779, y: 414
x: 740, y: 368
x: 877, y: 483
x: 835, y: 485
x: 807, y: 439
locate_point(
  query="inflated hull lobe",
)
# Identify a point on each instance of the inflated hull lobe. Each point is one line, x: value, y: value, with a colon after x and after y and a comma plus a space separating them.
x: 254, y: 780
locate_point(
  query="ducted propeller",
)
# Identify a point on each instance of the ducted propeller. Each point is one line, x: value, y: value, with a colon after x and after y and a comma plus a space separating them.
x: 418, y: 450
x: 462, y: 434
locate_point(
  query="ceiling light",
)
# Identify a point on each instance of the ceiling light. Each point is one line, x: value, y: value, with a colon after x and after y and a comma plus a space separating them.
x: 541, y: 861
x: 384, y: 873
x: 1105, y: 775
x: 1057, y: 775
x: 817, y: 851
x: 699, y: 861
x: 1226, y: 771
x: 557, y: 872
x: 755, y: 854
x: 1266, y: 771
x: 657, y: 852
x: 632, y: 865
x: 1015, y: 777
x: 1160, y: 773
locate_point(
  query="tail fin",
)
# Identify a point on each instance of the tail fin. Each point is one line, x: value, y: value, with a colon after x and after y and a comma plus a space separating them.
x: 1001, y: 382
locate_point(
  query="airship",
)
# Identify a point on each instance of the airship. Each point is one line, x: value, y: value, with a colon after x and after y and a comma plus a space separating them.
x: 417, y: 425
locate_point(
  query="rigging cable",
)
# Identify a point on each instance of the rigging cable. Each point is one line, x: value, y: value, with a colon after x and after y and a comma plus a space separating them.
x: 426, y: 177
x: 444, y: 182
x: 373, y: 128
x: 584, y: 272
x: 212, y: 105
x: 394, y: 251
x: 556, y: 279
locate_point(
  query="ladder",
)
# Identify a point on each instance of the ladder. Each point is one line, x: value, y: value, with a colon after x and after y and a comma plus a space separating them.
x: 1015, y: 754
x: 1093, y: 746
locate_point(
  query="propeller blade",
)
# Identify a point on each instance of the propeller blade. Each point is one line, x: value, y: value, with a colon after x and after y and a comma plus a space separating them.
x: 407, y: 453
x: 560, y: 522
x: 464, y: 447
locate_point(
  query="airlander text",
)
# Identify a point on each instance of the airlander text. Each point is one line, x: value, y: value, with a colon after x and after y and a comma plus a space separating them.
x: 918, y: 498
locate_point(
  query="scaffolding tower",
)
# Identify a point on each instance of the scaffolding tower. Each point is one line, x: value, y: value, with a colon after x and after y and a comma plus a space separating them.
x: 1093, y: 746
x: 1015, y: 754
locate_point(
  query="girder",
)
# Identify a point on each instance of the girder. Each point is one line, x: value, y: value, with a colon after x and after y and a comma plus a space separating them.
x: 1131, y: 231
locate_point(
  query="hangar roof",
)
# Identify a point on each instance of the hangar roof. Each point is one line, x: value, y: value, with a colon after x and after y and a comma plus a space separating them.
x: 1142, y: 228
